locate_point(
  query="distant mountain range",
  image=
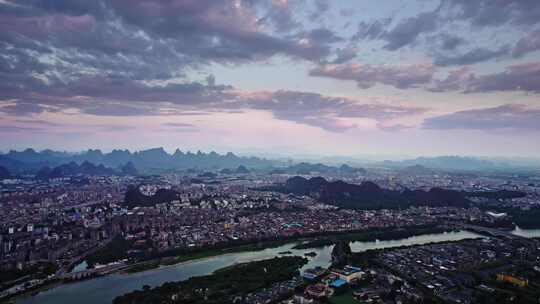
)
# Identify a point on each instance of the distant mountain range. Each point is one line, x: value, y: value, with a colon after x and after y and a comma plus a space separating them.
x: 416, y: 170
x: 459, y: 163
x: 30, y: 160
x: 72, y: 169
x: 308, y: 168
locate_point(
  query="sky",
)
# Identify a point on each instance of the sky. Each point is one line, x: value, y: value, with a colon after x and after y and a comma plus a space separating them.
x: 318, y: 77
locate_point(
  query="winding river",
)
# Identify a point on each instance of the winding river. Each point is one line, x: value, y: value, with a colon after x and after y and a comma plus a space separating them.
x: 105, y: 289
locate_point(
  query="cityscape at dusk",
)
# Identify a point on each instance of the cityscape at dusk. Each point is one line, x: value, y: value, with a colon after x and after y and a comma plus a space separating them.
x: 269, y: 151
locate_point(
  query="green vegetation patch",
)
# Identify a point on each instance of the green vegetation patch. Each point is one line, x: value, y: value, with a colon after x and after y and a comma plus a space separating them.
x: 221, y: 286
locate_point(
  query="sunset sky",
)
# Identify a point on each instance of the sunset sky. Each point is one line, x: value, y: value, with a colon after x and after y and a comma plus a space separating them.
x: 388, y: 77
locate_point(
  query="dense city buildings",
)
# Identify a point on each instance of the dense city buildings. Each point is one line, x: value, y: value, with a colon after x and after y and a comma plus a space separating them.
x: 123, y: 222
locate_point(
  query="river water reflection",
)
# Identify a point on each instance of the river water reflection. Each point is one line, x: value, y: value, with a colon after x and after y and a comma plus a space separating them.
x: 105, y: 289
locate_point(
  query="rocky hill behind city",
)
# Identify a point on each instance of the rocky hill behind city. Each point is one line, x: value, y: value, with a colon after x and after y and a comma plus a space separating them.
x: 369, y: 195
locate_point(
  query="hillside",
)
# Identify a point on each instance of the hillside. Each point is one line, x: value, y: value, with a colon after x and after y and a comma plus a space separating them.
x: 368, y: 195
x: 134, y: 197
x: 73, y: 169
x: 4, y: 173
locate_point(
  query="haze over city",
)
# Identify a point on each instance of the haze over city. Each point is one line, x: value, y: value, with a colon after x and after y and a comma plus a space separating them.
x: 290, y: 77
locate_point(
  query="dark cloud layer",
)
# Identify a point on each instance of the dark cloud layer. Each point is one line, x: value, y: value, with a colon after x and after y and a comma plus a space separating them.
x: 520, y: 77
x: 408, y: 30
x: 436, y: 26
x: 528, y: 44
x: 484, y: 13
x: 55, y: 43
x: 472, y: 56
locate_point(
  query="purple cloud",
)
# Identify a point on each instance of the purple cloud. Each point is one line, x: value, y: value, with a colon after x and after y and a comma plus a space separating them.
x: 408, y: 30
x: 520, y: 77
x: 179, y: 127
x: 473, y: 56
x: 366, y: 76
x: 323, y: 111
x: 510, y: 116
x: 528, y: 44
x: 484, y: 13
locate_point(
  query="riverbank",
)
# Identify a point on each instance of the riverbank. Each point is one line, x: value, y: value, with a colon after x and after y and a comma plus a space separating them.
x: 105, y: 289
x: 197, y: 255
x: 308, y: 242
x: 387, y: 234
x: 32, y: 291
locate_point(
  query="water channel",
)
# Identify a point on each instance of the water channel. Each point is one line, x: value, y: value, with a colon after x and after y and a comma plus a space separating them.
x: 105, y: 289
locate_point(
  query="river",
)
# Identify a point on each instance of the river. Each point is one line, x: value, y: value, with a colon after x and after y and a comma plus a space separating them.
x: 528, y: 233
x: 105, y: 289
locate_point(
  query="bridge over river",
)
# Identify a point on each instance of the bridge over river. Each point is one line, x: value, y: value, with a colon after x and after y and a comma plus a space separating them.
x: 84, y: 274
x: 495, y: 232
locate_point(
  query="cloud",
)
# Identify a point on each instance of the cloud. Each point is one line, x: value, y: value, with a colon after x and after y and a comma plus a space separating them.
x: 38, y: 122
x: 450, y: 21
x: 345, y: 54
x: 112, y: 97
x: 528, y: 44
x: 177, y: 124
x: 370, y: 31
x: 483, y: 13
x: 62, y: 43
x: 22, y: 108
x: 19, y: 129
x: 454, y: 81
x: 510, y: 116
x: 473, y: 56
x: 280, y: 16
x: 392, y: 127
x: 131, y: 58
x: 408, y: 30
x: 450, y: 42
x: 399, y: 76
x: 520, y: 77
x: 179, y: 127
x: 328, y: 113
x: 320, y: 8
